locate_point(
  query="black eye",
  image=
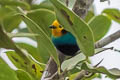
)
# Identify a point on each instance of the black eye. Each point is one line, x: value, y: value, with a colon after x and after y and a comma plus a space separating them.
x: 60, y: 26
x: 52, y: 27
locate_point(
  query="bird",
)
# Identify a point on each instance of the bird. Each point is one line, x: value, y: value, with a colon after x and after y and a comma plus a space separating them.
x: 63, y: 40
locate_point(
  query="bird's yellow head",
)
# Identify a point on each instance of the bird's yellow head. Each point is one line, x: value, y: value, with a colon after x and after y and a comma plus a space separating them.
x: 56, y: 29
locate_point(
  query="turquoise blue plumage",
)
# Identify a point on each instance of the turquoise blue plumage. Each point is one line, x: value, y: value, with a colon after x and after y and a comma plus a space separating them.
x: 67, y: 38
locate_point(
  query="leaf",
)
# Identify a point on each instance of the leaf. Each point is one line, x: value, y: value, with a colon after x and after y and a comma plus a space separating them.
x: 45, y: 45
x: 42, y: 17
x: 111, y: 73
x: 113, y: 14
x: 43, y: 5
x: 4, y: 12
x: 5, y: 41
x: 23, y: 30
x: 26, y: 33
x: 12, y: 35
x: 74, y: 60
x: 76, y: 26
x: 31, y: 50
x: 100, y: 25
x: 11, y: 22
x: 115, y: 71
x: 34, y: 69
x: 15, y: 3
x: 6, y: 73
x: 20, y: 58
x: 9, y: 18
x: 89, y: 15
x: 22, y: 75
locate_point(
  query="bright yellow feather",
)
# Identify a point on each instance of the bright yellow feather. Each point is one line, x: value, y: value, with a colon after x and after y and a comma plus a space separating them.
x: 57, y: 31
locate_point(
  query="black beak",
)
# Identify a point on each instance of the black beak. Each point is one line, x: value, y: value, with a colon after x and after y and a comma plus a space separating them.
x: 52, y: 27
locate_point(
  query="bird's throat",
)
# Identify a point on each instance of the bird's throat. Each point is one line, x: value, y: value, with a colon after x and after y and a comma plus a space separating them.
x: 56, y: 33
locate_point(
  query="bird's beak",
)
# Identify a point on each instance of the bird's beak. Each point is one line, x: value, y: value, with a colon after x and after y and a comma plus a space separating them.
x: 52, y: 27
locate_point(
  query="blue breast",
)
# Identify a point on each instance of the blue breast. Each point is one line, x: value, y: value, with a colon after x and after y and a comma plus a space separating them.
x: 67, y: 38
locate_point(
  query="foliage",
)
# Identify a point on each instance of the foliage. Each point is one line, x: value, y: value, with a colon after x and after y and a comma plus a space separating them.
x: 31, y: 60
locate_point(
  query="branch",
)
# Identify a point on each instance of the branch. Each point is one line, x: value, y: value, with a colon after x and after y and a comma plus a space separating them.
x: 51, y: 68
x: 108, y: 39
x: 81, y: 75
x: 81, y: 7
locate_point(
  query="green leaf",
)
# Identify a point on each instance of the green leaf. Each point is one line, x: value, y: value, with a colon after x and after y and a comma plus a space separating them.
x: 4, y: 12
x: 76, y: 26
x: 12, y: 35
x: 89, y: 16
x: 23, y: 30
x: 43, y: 5
x: 22, y: 75
x: 115, y: 71
x: 11, y: 22
x: 20, y: 58
x: 9, y: 18
x: 42, y: 17
x: 34, y: 69
x: 74, y: 60
x: 6, y: 73
x: 16, y: 59
x: 45, y: 45
x: 15, y: 3
x: 5, y: 41
x: 111, y: 73
x: 113, y: 14
x: 100, y: 26
x: 31, y: 50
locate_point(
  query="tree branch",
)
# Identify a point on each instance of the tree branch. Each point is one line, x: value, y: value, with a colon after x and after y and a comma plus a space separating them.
x: 81, y: 7
x: 51, y: 68
x: 108, y: 39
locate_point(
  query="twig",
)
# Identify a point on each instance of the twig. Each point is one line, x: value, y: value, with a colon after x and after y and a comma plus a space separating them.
x: 104, y: 49
x: 108, y: 39
x: 98, y: 63
x: 81, y: 75
x: 117, y: 50
x: 85, y: 73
